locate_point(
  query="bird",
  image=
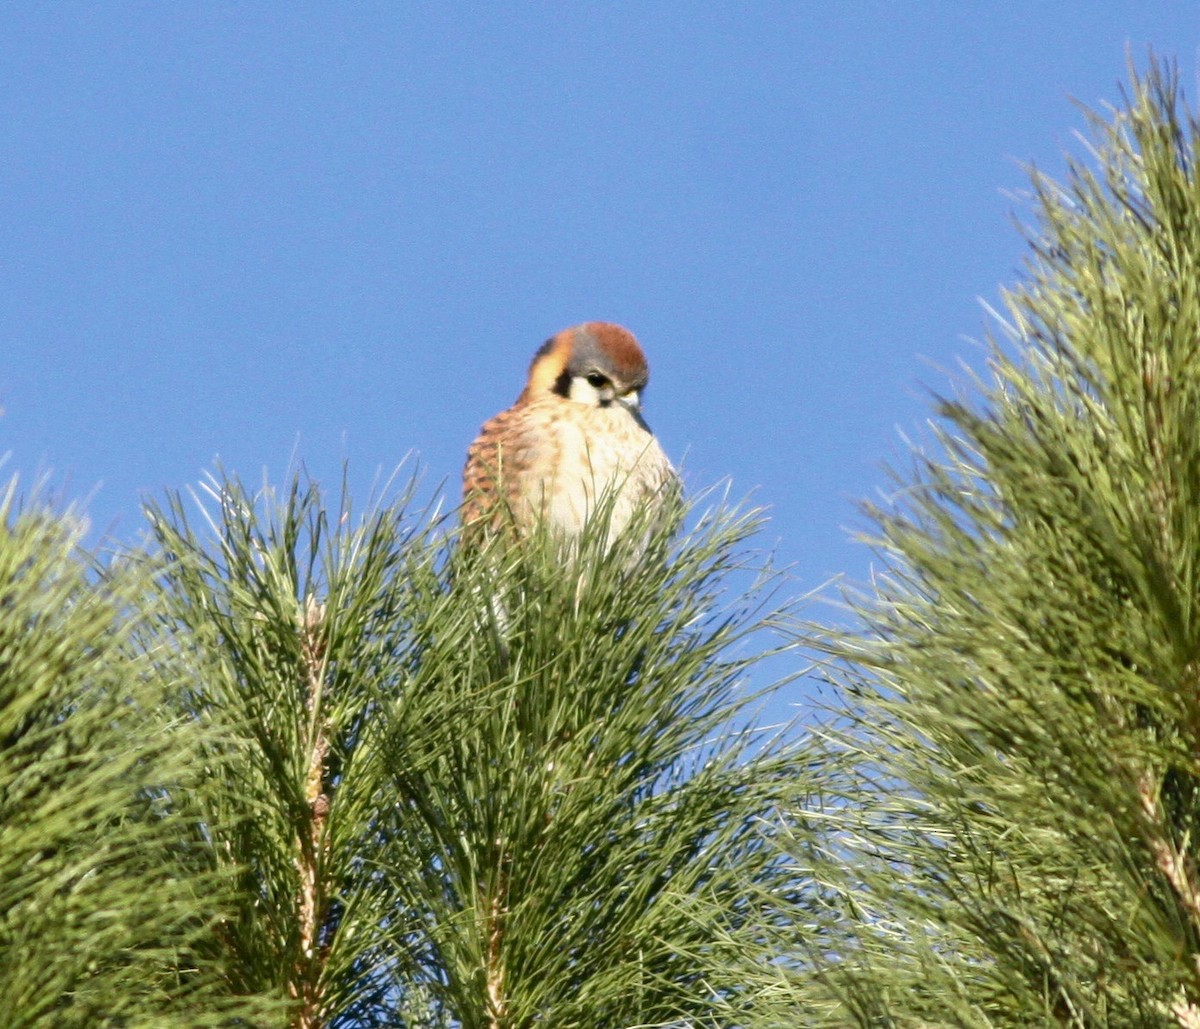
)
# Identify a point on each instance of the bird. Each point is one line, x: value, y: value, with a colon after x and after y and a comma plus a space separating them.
x: 574, y: 436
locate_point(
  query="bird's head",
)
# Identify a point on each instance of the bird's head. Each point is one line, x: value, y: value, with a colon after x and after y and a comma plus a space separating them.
x: 597, y: 364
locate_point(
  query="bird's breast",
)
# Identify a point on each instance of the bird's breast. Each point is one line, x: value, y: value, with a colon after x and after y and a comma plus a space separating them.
x: 589, y: 454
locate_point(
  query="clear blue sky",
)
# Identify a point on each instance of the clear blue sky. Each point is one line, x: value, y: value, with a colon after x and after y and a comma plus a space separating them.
x: 340, y: 230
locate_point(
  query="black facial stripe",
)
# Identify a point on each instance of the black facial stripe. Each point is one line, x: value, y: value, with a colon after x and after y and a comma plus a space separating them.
x: 562, y: 385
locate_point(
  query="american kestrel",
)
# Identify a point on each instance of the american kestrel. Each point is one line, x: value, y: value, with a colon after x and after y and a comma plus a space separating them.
x: 574, y: 435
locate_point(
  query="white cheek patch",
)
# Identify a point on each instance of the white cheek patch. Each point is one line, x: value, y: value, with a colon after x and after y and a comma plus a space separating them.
x: 583, y: 392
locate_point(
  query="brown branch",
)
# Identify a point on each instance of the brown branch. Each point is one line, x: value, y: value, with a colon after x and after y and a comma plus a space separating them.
x: 496, y: 997
x: 306, y: 984
x: 1179, y: 872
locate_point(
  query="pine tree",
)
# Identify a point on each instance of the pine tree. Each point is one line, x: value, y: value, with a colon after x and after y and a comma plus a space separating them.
x: 441, y: 817
x: 105, y: 915
x: 1025, y: 688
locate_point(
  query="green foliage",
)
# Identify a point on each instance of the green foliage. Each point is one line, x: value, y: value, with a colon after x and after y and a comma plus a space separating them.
x: 497, y: 787
x: 103, y: 917
x: 1029, y: 672
x: 297, y: 636
x: 311, y: 769
x: 584, y: 847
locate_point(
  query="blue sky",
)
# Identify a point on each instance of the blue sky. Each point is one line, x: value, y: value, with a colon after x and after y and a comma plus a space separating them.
x: 339, y: 231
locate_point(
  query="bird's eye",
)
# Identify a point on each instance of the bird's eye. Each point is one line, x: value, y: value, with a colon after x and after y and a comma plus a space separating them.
x: 596, y: 380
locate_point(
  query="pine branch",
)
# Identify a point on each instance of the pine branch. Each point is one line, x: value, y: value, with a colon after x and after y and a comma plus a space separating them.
x: 1024, y: 833
x: 440, y: 818
x: 310, y: 845
x: 105, y: 915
